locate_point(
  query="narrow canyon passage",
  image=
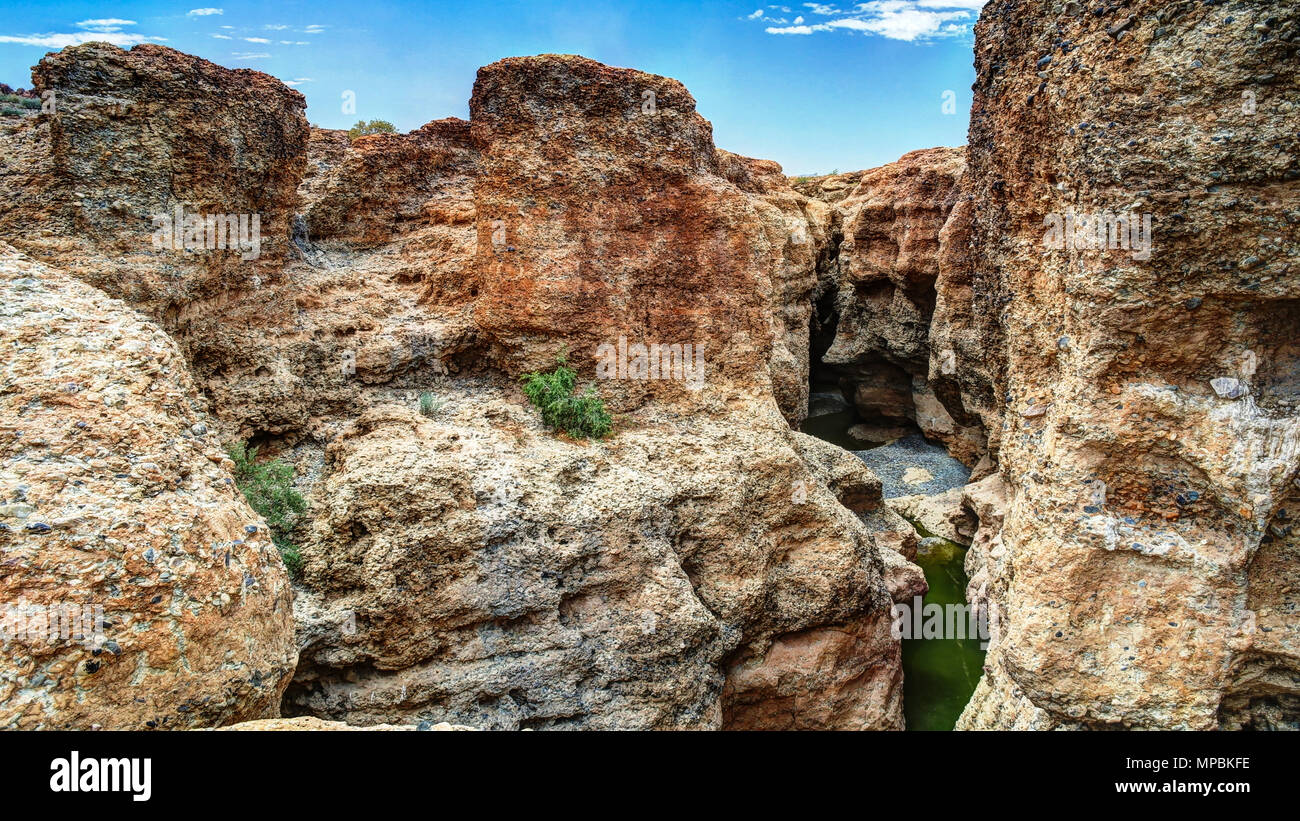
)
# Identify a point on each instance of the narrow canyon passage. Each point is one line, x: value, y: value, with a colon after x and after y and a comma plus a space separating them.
x: 940, y: 672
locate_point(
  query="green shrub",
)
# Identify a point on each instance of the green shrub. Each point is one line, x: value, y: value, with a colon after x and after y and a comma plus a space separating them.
x: 580, y: 416
x: 29, y: 103
x: 362, y: 128
x: 10, y: 112
x: 268, y: 487
x: 429, y: 404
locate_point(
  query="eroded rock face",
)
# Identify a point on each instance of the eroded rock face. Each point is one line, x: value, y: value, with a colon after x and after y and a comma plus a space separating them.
x: 604, y: 214
x: 892, y: 243
x: 1147, y: 577
x: 474, y: 564
x: 503, y: 577
x: 140, y: 590
x: 138, y: 134
x: 467, y: 564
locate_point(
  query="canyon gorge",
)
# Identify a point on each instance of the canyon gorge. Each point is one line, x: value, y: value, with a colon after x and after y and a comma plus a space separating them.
x: 1105, y: 434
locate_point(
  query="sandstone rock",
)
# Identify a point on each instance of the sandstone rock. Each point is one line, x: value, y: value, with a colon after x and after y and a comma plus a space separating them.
x: 941, y: 514
x: 123, y: 517
x: 892, y: 224
x: 605, y: 222
x: 126, y: 144
x: 475, y: 564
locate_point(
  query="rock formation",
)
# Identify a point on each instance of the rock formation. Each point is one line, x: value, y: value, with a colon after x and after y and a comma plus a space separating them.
x: 889, y: 288
x: 1130, y: 406
x: 704, y: 567
x: 139, y: 589
x: 1145, y: 574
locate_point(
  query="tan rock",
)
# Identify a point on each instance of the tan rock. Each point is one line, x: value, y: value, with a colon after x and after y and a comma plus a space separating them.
x: 140, y: 590
x: 1136, y: 565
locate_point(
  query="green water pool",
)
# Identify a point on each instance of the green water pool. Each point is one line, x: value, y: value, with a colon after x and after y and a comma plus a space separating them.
x: 939, y: 675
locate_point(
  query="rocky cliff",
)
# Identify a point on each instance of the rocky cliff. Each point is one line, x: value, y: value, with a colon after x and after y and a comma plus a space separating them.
x: 1145, y: 572
x: 1093, y: 304
x: 703, y: 567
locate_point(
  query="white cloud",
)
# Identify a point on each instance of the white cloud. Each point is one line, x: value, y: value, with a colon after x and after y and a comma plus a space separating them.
x: 757, y: 15
x: 908, y: 20
x: 275, y: 27
x: 256, y: 40
x: 297, y: 82
x: 121, y: 39
x: 223, y: 37
x: 100, y: 30
x: 314, y: 28
x: 107, y: 22
x: 249, y: 55
x: 204, y: 12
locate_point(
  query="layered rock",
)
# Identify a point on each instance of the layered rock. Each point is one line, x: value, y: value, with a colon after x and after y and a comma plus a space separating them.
x: 1151, y: 437
x: 140, y: 590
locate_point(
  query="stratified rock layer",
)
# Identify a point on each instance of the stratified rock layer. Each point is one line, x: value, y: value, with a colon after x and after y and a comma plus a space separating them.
x: 140, y: 590
x: 1145, y: 573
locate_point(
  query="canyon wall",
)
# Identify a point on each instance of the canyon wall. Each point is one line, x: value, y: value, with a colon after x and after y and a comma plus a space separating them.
x: 895, y: 303
x: 703, y: 567
x: 1131, y: 409
x: 1145, y: 573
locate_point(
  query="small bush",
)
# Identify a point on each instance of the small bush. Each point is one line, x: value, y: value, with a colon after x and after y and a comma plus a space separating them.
x: 268, y: 487
x: 10, y: 112
x: 362, y: 128
x: 11, y: 100
x: 429, y: 404
x: 580, y: 416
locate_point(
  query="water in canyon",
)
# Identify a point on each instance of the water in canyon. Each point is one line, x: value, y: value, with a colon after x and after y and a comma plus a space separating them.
x: 939, y: 674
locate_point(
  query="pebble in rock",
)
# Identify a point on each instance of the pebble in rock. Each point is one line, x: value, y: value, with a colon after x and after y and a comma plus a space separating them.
x: 1228, y: 388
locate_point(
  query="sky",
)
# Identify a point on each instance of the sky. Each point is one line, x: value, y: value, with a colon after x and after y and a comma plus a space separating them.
x: 816, y: 87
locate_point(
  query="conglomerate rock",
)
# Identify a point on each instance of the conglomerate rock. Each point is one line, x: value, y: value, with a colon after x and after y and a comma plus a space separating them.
x: 139, y: 589
x: 891, y: 244
x: 1150, y: 388
x: 141, y: 143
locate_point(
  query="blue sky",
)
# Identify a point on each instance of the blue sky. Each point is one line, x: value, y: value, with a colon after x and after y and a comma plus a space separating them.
x: 816, y: 87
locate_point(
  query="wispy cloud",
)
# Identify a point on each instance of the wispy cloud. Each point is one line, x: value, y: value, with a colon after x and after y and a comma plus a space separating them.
x: 256, y: 40
x: 909, y: 20
x: 242, y: 56
x: 99, y: 30
x: 105, y: 24
x: 297, y: 82
x: 275, y: 27
x: 204, y: 12
x: 223, y: 37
